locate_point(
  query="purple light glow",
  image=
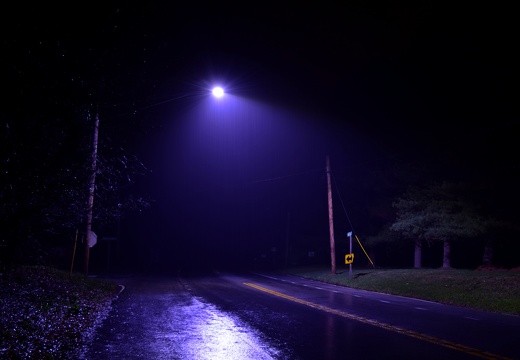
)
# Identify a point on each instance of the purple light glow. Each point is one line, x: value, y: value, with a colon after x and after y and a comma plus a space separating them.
x: 218, y: 92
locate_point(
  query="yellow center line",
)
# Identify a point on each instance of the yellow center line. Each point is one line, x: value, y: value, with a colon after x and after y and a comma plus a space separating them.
x: 465, y: 349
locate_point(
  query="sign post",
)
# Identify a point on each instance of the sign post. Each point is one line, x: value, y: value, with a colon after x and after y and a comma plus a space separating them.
x: 349, y: 234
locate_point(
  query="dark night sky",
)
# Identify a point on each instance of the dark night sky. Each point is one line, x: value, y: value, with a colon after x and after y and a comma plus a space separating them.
x: 424, y: 83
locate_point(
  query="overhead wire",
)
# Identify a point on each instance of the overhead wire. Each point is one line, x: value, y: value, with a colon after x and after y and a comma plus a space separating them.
x: 350, y: 222
x: 342, y: 203
x: 283, y: 176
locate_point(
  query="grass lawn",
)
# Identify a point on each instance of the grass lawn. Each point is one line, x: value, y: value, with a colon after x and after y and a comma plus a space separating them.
x: 45, y: 314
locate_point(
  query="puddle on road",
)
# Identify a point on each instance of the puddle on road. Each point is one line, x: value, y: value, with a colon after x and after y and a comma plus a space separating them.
x: 200, y: 331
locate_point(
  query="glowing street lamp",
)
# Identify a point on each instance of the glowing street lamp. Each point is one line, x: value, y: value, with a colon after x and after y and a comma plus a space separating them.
x: 217, y: 92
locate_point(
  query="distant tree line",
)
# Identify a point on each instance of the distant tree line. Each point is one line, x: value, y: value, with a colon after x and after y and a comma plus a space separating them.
x: 44, y: 185
x: 55, y: 81
x: 446, y: 213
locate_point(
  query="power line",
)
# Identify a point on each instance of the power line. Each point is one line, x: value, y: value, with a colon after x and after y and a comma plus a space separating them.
x: 342, y: 203
x: 284, y: 176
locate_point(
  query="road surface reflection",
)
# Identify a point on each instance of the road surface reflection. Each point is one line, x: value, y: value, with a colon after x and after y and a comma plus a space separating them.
x: 204, y: 332
x: 160, y: 319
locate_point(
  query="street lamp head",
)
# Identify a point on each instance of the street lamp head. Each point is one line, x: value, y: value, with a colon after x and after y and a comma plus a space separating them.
x: 217, y: 92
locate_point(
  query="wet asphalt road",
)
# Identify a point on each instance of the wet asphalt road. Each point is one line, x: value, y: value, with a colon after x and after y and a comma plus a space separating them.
x: 274, y: 316
x: 157, y: 318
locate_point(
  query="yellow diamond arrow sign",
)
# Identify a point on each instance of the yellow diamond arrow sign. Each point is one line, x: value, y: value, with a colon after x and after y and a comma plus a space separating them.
x: 349, y: 258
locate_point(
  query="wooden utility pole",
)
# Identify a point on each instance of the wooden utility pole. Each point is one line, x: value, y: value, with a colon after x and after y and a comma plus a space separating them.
x: 331, y: 220
x: 287, y: 239
x: 92, y: 186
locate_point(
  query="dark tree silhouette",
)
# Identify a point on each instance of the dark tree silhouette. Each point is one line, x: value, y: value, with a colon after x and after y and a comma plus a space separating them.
x: 438, y: 212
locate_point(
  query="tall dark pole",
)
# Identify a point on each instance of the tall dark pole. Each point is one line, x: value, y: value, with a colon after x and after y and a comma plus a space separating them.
x: 331, y: 220
x: 287, y: 239
x: 92, y: 186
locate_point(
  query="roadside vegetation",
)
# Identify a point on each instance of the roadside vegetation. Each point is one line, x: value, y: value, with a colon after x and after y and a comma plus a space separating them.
x: 495, y: 290
x: 45, y: 314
